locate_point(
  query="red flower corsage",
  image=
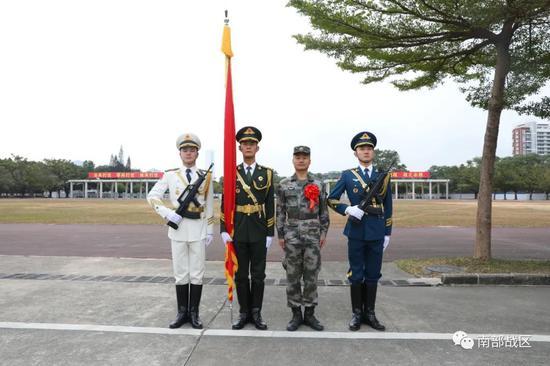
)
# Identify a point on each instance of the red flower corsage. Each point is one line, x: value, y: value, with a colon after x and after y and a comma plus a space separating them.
x: 311, y: 191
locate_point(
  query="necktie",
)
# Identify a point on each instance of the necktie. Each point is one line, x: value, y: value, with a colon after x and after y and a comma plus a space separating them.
x: 248, y: 174
x: 188, y: 174
x: 367, y: 173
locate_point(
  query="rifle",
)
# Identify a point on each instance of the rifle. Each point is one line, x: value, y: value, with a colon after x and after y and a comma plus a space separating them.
x: 187, y: 196
x: 371, y: 192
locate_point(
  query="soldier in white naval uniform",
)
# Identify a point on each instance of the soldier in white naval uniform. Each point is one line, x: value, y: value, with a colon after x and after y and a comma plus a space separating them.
x: 193, y: 235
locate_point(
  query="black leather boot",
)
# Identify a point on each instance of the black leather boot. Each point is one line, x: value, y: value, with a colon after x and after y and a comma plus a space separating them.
x: 355, y: 322
x: 182, y: 297
x: 296, y: 320
x: 364, y: 303
x: 195, y: 300
x: 240, y: 322
x: 311, y: 320
x: 370, y: 317
x: 257, y: 319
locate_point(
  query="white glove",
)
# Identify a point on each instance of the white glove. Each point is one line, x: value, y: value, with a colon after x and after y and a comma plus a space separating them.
x: 208, y: 239
x: 386, y: 242
x: 268, y: 241
x: 174, y: 217
x: 355, y: 212
x: 226, y: 237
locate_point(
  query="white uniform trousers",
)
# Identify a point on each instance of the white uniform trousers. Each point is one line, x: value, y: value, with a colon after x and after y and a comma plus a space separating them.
x: 188, y: 260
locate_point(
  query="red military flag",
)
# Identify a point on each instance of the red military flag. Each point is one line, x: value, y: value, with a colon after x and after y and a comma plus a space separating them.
x: 230, y: 162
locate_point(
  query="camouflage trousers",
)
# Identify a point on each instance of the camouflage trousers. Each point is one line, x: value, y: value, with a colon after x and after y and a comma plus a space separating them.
x: 302, y: 262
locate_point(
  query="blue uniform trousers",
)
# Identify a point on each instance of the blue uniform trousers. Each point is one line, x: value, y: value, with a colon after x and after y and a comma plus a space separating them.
x: 365, y: 260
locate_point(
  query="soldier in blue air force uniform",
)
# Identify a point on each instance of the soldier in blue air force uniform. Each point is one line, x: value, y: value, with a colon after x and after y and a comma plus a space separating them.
x: 368, y: 238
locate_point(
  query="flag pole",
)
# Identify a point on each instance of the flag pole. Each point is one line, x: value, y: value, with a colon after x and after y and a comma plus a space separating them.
x: 226, y: 23
x: 231, y: 263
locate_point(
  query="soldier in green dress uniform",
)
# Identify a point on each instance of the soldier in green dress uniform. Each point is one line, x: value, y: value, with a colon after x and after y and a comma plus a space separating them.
x: 254, y: 223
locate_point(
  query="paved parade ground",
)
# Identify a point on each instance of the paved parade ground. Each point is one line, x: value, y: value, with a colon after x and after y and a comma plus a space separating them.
x: 111, y: 311
x: 101, y: 294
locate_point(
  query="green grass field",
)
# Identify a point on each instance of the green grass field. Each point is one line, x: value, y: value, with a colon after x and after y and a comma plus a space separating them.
x: 420, y: 213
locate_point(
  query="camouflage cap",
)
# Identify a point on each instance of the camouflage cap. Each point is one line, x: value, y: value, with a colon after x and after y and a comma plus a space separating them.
x: 302, y: 150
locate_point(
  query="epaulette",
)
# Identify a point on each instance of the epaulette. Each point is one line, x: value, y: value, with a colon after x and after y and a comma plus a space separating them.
x: 260, y: 167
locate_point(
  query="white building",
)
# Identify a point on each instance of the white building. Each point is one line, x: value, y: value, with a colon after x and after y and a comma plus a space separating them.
x: 531, y: 138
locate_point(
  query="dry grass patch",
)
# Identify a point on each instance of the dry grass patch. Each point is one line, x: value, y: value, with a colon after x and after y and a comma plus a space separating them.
x: 417, y: 267
x: 419, y: 213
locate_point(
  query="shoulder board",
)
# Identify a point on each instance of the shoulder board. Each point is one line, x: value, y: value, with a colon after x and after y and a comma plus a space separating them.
x: 260, y: 167
x: 171, y: 170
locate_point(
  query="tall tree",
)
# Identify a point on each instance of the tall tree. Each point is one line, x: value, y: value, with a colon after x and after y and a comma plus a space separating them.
x: 530, y: 171
x: 383, y: 159
x: 498, y: 49
x: 544, y: 184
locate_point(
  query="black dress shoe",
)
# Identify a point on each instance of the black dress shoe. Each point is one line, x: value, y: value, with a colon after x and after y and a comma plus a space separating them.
x: 241, y: 321
x: 296, y: 320
x: 372, y: 321
x: 311, y: 320
x: 258, y: 321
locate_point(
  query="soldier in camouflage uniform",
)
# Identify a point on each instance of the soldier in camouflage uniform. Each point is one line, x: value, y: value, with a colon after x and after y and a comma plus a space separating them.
x: 302, y: 225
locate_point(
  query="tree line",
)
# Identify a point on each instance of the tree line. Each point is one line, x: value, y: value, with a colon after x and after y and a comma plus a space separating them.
x: 522, y: 173
x: 21, y: 177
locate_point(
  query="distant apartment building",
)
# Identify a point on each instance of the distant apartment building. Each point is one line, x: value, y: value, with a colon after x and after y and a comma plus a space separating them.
x: 531, y: 138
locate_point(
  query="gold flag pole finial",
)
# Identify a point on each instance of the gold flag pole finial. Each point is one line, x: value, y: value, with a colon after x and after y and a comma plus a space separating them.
x: 226, y: 39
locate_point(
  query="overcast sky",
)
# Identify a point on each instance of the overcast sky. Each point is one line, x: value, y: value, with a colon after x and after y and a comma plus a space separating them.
x: 78, y: 79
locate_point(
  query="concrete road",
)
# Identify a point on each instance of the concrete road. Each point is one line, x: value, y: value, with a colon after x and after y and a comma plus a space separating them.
x: 150, y: 241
